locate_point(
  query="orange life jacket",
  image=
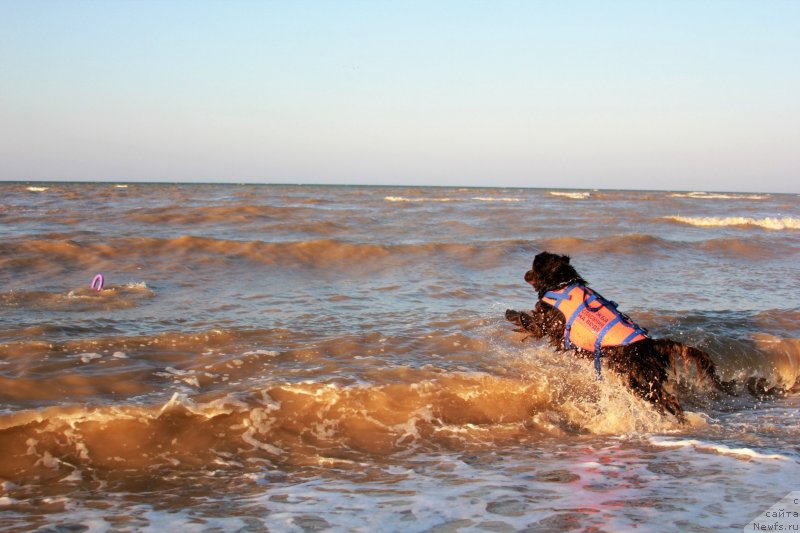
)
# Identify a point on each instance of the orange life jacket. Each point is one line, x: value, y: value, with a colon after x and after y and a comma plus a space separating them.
x: 592, y: 322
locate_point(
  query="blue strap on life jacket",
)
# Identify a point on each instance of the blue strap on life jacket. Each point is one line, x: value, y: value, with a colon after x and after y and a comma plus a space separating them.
x: 636, y: 331
x: 560, y: 297
x: 563, y: 294
x: 598, y: 342
x: 593, y: 296
x: 598, y: 374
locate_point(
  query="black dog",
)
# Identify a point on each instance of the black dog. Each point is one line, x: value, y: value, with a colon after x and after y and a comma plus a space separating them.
x: 576, y: 318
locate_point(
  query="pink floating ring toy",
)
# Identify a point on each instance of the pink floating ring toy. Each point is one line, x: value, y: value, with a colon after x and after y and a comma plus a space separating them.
x: 97, y: 282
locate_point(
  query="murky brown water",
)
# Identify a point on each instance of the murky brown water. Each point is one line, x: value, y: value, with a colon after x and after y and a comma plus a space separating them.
x: 306, y: 358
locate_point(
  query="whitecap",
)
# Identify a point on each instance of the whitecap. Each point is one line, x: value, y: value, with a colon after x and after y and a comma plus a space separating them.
x: 718, y: 196
x: 573, y: 195
x: 721, y: 449
x: 773, y: 223
x: 406, y: 199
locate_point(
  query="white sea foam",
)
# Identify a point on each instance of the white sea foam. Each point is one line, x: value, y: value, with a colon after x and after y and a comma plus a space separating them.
x: 88, y: 357
x: 417, y: 199
x: 186, y: 376
x: 37, y: 189
x: 267, y: 353
x: 446, y: 199
x: 573, y: 195
x: 774, y: 223
x: 714, y: 448
x: 718, y: 196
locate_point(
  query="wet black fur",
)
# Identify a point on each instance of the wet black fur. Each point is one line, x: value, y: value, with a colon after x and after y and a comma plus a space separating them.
x: 645, y: 364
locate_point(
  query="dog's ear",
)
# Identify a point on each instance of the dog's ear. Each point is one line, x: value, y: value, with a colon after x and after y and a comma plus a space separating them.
x: 565, y: 258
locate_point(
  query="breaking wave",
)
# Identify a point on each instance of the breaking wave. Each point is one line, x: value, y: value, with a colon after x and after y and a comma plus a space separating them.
x: 573, y: 195
x: 773, y: 223
x: 448, y: 199
x: 255, y: 419
x: 418, y: 199
x: 719, y: 196
x: 301, y: 423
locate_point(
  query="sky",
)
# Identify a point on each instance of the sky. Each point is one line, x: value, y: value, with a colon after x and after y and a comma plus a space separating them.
x: 656, y: 94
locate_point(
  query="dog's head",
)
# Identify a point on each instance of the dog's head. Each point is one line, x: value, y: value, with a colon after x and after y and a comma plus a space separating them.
x: 550, y: 271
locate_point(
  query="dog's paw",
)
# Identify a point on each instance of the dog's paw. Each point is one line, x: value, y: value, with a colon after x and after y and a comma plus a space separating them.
x: 521, y: 319
x: 526, y: 321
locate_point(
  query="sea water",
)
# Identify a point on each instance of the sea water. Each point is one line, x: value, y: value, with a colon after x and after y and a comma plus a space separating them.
x: 307, y: 358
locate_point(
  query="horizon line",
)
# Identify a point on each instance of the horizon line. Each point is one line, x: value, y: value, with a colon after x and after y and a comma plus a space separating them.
x: 375, y: 185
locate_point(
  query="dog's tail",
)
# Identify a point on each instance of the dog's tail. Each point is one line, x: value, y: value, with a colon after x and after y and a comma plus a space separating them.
x: 705, y: 367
